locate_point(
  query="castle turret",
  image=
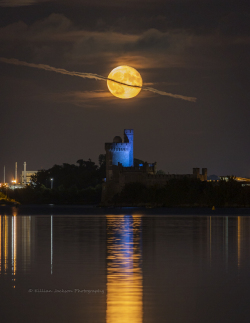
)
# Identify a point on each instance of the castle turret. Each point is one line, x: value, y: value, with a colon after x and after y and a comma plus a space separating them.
x: 129, y: 137
x: 196, y: 172
x: 204, y: 173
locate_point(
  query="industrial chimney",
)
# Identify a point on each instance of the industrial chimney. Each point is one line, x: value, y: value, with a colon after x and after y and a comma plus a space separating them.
x: 16, y: 172
x: 24, y: 174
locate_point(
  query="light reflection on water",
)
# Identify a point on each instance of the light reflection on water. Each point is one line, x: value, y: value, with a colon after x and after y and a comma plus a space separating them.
x: 51, y: 244
x: 15, y: 235
x: 150, y: 268
x: 124, y: 273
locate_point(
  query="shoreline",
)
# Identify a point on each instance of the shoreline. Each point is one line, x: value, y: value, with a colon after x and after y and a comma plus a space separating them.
x: 51, y: 209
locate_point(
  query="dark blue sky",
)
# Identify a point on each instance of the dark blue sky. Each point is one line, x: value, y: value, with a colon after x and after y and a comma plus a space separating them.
x: 192, y: 48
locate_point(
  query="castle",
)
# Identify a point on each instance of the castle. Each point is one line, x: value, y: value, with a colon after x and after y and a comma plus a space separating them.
x: 120, y: 168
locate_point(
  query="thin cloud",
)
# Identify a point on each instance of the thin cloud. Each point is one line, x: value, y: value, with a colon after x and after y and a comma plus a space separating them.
x: 19, y: 3
x: 80, y: 98
x: 14, y: 61
x: 86, y: 98
x: 77, y: 98
x: 56, y: 36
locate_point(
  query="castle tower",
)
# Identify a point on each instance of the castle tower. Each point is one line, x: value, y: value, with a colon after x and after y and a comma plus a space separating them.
x: 119, y: 152
x: 129, y: 137
x: 204, y: 173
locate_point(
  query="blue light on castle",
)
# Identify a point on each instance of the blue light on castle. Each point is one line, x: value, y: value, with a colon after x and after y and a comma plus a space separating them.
x: 122, y: 151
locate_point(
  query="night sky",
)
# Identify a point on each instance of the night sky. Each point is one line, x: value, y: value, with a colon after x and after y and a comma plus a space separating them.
x: 192, y: 48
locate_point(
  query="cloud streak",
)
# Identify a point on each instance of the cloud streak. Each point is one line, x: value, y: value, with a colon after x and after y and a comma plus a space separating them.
x: 14, y: 61
x: 19, y: 3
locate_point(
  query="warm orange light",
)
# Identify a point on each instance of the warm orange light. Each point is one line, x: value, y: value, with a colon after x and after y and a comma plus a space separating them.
x: 242, y: 179
x: 6, y: 229
x: 0, y: 244
x: 128, y: 75
x: 124, y: 274
x: 14, y: 245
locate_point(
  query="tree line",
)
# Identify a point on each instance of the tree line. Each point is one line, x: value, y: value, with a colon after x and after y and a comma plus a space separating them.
x: 65, y: 184
x: 186, y: 192
x: 81, y: 183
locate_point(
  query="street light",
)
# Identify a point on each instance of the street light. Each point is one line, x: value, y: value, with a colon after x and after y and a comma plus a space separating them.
x: 51, y: 182
x: 14, y: 183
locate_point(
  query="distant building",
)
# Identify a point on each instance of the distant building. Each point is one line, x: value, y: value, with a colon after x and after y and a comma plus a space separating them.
x: 242, y: 180
x: 26, y: 175
x: 120, y: 168
x: 27, y: 179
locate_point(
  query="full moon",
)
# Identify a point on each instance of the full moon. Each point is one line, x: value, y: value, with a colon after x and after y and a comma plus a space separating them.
x: 128, y: 75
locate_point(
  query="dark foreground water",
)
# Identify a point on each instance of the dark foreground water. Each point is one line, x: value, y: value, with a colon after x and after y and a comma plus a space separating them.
x: 124, y: 267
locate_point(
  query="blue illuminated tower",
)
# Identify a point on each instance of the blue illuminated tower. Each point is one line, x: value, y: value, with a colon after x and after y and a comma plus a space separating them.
x: 120, y: 152
x: 129, y: 137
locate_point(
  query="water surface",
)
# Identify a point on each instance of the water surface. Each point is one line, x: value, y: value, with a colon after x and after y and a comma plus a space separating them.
x: 124, y: 267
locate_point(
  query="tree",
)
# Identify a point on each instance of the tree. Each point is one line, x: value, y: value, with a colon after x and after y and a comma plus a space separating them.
x: 102, y: 159
x: 160, y: 171
x: 102, y: 166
